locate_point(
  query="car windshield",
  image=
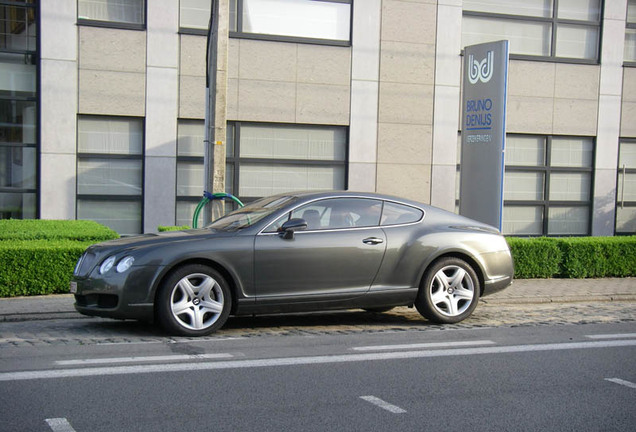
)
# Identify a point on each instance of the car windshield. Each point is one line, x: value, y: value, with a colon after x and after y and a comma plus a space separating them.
x: 250, y: 214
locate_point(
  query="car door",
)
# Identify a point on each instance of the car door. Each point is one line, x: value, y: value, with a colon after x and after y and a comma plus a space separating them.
x: 338, y: 254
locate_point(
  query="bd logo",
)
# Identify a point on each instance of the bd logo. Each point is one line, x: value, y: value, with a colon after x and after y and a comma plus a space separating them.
x: 480, y: 71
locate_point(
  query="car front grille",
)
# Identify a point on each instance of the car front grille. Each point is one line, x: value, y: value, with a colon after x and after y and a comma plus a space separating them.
x: 85, y: 264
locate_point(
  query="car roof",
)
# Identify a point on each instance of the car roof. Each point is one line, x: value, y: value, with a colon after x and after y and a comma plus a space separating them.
x: 313, y: 195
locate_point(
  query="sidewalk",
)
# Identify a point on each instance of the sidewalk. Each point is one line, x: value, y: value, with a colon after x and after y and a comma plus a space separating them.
x: 522, y: 291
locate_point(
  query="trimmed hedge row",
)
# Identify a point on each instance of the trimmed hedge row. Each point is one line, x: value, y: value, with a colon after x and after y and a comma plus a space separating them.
x: 574, y: 257
x: 45, y: 265
x: 37, y: 267
x: 40, y: 229
x: 38, y: 256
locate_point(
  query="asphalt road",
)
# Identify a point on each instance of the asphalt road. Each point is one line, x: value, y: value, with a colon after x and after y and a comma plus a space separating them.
x: 562, y: 375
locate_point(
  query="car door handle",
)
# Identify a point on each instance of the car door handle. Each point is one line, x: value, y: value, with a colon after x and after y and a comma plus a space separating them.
x: 372, y: 241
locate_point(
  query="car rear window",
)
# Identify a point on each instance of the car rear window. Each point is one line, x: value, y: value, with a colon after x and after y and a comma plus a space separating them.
x: 396, y: 214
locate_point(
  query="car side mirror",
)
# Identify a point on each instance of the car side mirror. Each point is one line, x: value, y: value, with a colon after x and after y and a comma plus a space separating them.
x: 292, y: 226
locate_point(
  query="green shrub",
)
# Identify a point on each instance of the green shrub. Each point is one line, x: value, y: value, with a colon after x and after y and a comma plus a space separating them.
x: 573, y: 257
x: 39, y: 229
x: 161, y: 228
x: 36, y: 267
x: 597, y: 257
x: 535, y: 257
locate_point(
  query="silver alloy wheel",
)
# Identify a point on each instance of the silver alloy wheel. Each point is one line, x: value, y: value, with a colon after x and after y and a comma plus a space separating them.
x: 452, y: 290
x: 196, y: 301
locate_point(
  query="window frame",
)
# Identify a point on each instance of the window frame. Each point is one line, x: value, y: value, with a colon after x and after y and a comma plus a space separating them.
x: 112, y: 156
x: 545, y: 204
x: 554, y: 22
x: 34, y: 55
x: 629, y: 26
x: 87, y: 22
x: 621, y: 202
x: 236, y: 160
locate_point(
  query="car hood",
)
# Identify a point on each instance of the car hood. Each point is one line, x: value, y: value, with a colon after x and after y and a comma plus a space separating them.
x: 147, y: 240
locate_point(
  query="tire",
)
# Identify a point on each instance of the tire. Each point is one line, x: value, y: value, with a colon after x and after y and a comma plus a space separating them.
x: 449, y: 292
x: 194, y: 300
x: 379, y: 309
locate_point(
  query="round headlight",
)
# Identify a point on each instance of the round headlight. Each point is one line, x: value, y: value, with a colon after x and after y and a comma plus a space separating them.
x: 107, y: 265
x: 125, y: 264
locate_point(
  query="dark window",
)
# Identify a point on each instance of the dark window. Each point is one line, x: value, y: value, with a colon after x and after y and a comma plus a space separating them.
x: 18, y: 110
x: 548, y: 185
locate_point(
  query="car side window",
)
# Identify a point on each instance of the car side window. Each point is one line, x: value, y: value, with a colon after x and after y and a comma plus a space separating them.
x: 338, y: 213
x: 396, y: 214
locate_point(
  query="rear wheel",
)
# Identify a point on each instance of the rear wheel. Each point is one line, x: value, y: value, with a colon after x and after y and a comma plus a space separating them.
x: 195, y: 300
x: 449, y: 292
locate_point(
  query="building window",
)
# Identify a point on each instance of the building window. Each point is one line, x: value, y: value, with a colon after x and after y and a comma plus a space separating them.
x: 112, y: 13
x: 630, y: 34
x: 270, y: 159
x: 554, y: 29
x: 261, y: 160
x: 194, y: 15
x: 324, y: 21
x: 110, y: 172
x: 626, y: 188
x: 548, y: 185
x: 18, y: 110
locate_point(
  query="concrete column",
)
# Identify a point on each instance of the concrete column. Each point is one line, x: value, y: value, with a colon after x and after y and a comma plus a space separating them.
x: 448, y: 66
x: 609, y: 117
x: 365, y: 69
x: 58, y: 96
x: 162, y: 92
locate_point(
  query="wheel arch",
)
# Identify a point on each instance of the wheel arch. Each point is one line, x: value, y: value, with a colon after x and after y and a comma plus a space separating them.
x: 460, y: 255
x: 215, y: 265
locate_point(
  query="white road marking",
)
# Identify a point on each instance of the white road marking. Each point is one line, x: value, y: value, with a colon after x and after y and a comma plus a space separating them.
x: 423, y: 345
x: 384, y: 405
x: 310, y: 360
x: 59, y: 425
x: 621, y: 382
x: 146, y: 359
x: 612, y: 336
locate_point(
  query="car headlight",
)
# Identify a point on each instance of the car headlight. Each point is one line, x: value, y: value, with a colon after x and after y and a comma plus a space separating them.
x: 107, y: 265
x: 125, y: 264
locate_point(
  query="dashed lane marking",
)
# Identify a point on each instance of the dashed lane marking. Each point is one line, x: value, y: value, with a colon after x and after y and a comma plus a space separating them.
x: 621, y: 382
x: 59, y: 425
x: 383, y: 404
x: 612, y: 336
x: 146, y: 359
x: 423, y: 345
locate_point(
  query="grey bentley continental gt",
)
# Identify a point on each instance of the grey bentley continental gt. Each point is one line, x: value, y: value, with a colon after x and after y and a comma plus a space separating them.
x: 293, y: 253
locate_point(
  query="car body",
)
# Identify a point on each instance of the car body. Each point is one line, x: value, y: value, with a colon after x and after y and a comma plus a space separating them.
x: 297, y: 252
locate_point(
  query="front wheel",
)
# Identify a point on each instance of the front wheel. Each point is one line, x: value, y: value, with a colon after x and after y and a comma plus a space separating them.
x: 194, y: 300
x: 449, y: 292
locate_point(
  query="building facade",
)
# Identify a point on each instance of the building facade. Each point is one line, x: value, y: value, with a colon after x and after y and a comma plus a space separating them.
x: 103, y: 106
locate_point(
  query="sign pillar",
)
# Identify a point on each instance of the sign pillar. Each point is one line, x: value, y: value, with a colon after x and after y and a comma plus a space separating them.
x: 216, y: 105
x: 485, y: 78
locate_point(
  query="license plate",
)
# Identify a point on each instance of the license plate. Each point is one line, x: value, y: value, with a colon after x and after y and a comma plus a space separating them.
x: 73, y: 288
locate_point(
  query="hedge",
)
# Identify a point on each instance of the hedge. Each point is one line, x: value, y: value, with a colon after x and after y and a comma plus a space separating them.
x: 574, y: 257
x: 36, y: 267
x: 38, y: 256
x: 39, y: 229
